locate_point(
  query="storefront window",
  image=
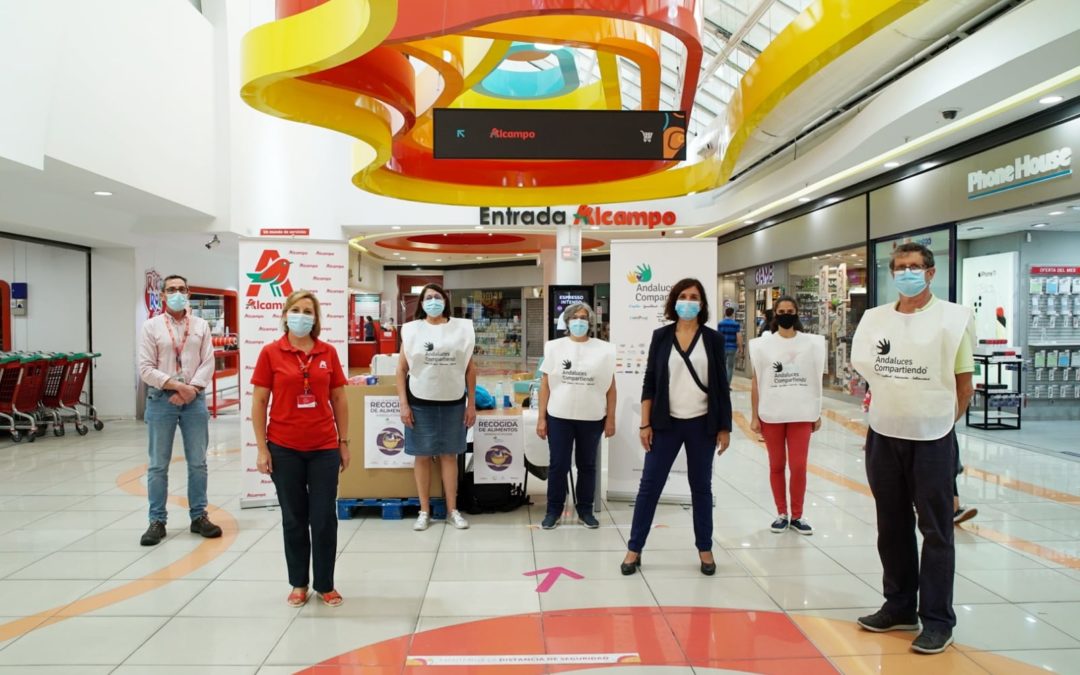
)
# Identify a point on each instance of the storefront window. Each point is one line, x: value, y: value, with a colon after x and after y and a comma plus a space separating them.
x: 496, y: 316
x: 939, y: 242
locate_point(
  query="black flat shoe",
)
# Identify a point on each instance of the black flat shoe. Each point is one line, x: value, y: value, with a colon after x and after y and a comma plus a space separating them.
x: 629, y: 568
x: 708, y: 569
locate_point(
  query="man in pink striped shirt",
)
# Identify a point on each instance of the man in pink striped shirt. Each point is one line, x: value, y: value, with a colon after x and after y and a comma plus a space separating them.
x: 176, y: 361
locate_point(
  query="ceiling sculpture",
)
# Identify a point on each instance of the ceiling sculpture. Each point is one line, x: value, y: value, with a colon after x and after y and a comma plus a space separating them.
x: 376, y: 69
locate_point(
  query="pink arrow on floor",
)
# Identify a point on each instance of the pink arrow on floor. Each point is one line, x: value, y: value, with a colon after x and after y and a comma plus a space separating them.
x: 553, y: 574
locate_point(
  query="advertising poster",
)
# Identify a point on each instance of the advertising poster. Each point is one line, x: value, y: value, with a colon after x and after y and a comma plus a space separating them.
x: 561, y: 297
x: 989, y: 289
x: 270, y: 270
x: 384, y: 434
x: 642, y: 275
x: 499, y: 449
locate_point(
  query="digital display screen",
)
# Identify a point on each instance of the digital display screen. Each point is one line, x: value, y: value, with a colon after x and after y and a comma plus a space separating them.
x: 480, y: 133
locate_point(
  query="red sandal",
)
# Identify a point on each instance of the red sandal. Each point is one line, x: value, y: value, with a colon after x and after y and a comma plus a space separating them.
x: 331, y: 599
x: 298, y: 597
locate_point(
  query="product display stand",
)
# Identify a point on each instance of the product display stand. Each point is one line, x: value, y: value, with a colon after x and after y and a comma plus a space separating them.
x: 994, y: 403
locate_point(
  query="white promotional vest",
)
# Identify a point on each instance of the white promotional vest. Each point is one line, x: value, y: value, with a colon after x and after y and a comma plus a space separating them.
x: 579, y: 376
x: 789, y: 372
x: 909, y: 362
x: 438, y: 355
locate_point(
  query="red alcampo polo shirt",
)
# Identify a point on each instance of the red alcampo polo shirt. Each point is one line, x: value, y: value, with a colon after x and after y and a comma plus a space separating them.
x: 279, y: 370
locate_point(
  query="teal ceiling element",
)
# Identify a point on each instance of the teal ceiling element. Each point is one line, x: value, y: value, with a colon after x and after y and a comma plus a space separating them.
x: 542, y: 82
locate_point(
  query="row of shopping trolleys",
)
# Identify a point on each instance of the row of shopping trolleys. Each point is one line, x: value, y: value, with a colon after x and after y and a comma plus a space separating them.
x: 39, y: 389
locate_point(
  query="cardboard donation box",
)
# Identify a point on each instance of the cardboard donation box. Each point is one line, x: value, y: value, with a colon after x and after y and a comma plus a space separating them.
x: 385, y: 481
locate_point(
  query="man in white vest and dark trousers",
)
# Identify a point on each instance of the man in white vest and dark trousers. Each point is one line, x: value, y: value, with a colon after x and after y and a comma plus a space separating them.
x: 917, y: 356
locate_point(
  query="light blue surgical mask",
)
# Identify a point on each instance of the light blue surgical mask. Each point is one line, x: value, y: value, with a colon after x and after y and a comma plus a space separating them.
x: 578, y: 327
x: 299, y: 324
x: 910, y: 282
x: 687, y: 309
x: 434, y: 306
x: 176, y: 301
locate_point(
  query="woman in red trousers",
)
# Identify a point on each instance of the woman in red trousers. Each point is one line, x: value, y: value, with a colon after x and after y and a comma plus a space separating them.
x: 786, y: 397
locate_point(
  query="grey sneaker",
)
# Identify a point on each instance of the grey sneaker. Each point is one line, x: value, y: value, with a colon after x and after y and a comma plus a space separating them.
x: 422, y: 521
x: 551, y: 521
x: 589, y: 520
x: 780, y: 524
x: 932, y: 641
x: 882, y: 621
x: 458, y: 520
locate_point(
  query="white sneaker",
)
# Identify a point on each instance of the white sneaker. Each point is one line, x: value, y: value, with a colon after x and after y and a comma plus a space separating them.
x: 422, y: 521
x: 458, y: 520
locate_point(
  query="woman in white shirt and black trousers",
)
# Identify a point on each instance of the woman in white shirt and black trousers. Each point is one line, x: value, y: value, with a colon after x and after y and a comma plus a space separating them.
x: 436, y: 384
x: 577, y: 404
x: 685, y: 401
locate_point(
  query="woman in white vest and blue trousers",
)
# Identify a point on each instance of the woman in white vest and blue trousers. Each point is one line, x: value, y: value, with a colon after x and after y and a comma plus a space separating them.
x: 917, y: 356
x: 577, y: 405
x: 685, y: 402
x: 436, y: 384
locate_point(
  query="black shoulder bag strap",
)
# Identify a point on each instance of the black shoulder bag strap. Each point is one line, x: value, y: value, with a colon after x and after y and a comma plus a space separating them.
x: 686, y: 359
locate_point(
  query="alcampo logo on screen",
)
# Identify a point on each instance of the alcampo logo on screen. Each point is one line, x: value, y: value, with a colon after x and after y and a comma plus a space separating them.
x: 272, y: 273
x: 641, y: 275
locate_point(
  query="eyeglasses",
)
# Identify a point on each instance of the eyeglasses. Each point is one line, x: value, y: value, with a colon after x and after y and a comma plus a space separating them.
x: 176, y: 289
x: 910, y: 268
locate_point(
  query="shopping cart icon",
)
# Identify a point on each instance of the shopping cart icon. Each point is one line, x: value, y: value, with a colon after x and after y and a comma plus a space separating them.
x: 646, y: 136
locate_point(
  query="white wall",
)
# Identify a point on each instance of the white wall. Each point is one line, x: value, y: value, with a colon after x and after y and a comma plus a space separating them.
x: 121, y: 88
x: 56, y: 311
x: 116, y: 301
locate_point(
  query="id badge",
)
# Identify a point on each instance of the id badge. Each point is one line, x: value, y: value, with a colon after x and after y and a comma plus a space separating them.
x: 305, y: 401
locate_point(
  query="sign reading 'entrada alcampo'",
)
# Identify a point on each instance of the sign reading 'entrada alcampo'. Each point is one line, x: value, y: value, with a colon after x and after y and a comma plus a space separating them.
x: 1022, y: 171
x: 584, y: 215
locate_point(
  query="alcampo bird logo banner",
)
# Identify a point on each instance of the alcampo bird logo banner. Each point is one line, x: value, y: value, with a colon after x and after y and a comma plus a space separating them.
x: 273, y: 272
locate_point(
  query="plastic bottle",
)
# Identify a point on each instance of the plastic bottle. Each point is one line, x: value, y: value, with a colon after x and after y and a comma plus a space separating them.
x: 499, y: 395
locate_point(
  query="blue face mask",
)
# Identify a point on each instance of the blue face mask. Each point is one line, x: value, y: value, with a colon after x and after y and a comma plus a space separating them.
x: 578, y: 327
x: 176, y: 302
x: 910, y: 282
x: 434, y: 306
x: 687, y: 309
x: 299, y: 324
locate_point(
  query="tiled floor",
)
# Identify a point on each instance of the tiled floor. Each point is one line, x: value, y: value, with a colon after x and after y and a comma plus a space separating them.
x: 79, y: 595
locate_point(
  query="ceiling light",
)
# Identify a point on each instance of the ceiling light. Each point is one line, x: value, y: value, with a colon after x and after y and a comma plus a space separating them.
x: 1056, y: 213
x: 678, y: 231
x: 1075, y: 208
x: 479, y: 257
x: 814, y: 258
x: 748, y: 222
x: 927, y: 165
x: 891, y: 165
x: 102, y: 193
x: 854, y: 255
x: 1039, y: 225
x: 395, y: 227
x: 479, y: 227
x: 1051, y: 100
x: 594, y: 227
x: 438, y: 259
x: 396, y: 253
x: 404, y: 258
x: 804, y: 199
x: 544, y: 47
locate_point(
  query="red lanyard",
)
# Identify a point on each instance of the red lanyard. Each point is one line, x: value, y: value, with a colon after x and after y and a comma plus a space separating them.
x: 304, y: 371
x: 178, y: 349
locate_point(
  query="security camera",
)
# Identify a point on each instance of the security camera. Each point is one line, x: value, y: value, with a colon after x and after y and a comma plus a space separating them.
x: 950, y: 113
x: 212, y: 243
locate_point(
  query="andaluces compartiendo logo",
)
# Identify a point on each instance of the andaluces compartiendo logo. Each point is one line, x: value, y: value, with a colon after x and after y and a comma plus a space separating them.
x: 271, y: 271
x: 642, y: 274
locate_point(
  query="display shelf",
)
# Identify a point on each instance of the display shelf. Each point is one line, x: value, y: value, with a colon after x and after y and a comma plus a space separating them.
x: 990, y: 414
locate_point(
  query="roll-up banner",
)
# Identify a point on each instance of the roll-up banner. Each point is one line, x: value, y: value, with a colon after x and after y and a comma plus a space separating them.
x: 270, y: 270
x: 642, y: 274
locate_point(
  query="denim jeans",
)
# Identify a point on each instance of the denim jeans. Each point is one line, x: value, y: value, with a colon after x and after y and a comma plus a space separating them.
x: 729, y: 363
x: 581, y: 439
x: 162, y: 418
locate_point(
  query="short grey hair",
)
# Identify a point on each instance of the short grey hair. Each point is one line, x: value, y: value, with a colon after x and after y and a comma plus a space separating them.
x: 912, y: 247
x: 573, y: 309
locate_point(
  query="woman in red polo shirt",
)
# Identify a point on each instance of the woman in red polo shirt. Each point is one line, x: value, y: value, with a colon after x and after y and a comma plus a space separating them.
x: 305, y: 445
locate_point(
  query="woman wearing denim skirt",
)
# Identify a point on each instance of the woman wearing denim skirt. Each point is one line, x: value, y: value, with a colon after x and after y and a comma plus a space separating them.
x: 436, y: 384
x: 577, y: 405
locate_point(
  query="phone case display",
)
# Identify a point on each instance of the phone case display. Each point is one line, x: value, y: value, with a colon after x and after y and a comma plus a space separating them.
x: 212, y: 309
x: 833, y: 324
x: 498, y: 337
x: 1054, y: 334
x: 995, y: 405
x: 806, y: 294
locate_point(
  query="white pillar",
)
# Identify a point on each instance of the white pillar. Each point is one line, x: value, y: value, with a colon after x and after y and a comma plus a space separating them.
x: 567, y: 254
